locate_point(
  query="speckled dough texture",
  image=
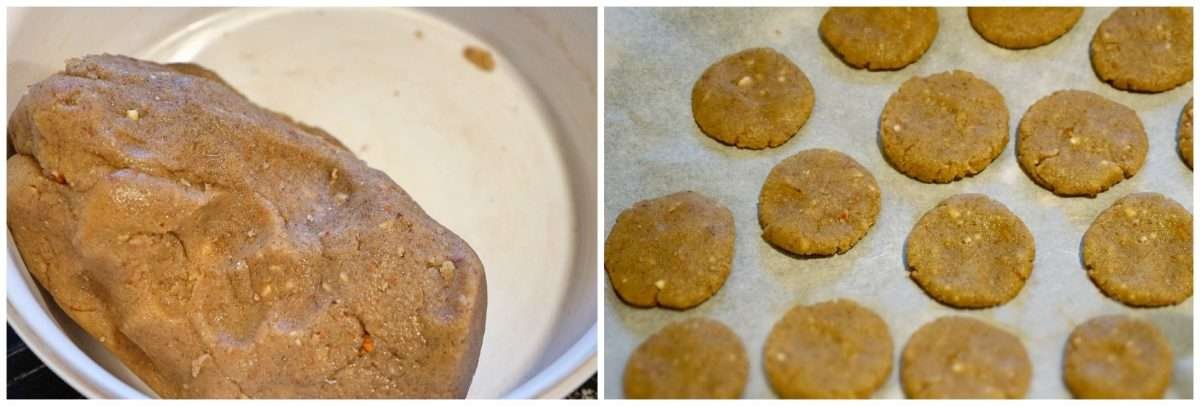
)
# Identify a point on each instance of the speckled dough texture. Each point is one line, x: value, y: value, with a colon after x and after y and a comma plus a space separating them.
x: 1023, y: 27
x: 674, y: 251
x: 817, y: 202
x: 221, y: 250
x: 1144, y: 49
x: 879, y: 38
x: 970, y: 252
x: 755, y: 99
x: 963, y: 358
x: 943, y: 127
x: 834, y: 349
x: 1077, y: 143
x: 1139, y: 251
x: 1185, y: 133
x: 697, y: 358
x: 1117, y: 357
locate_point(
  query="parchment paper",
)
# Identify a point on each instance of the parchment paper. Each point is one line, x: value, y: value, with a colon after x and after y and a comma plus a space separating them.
x: 652, y: 147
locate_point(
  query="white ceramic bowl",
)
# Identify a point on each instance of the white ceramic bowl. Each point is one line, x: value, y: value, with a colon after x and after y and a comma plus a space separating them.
x: 506, y: 159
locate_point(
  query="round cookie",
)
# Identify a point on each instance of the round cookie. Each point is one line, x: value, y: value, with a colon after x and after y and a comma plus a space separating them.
x: 879, y: 38
x: 1077, y: 143
x: 970, y: 252
x: 1022, y: 27
x: 1117, y: 357
x: 960, y: 357
x: 817, y: 202
x: 1139, y: 251
x: 1144, y: 49
x: 834, y: 349
x: 674, y: 251
x: 755, y: 99
x: 943, y: 127
x: 697, y: 358
x: 1185, y: 134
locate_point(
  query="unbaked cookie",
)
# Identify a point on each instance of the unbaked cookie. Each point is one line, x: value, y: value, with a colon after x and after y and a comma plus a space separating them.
x: 834, y: 349
x: 879, y: 38
x: 1077, y: 143
x: 1139, y: 251
x: 817, y: 202
x: 970, y: 252
x: 1144, y: 49
x: 1185, y: 134
x: 674, y: 251
x: 756, y: 98
x: 1023, y: 27
x: 960, y: 357
x: 1117, y: 357
x: 943, y: 127
x: 697, y: 358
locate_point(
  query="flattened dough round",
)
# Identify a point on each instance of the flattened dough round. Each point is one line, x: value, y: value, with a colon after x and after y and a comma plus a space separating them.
x: 1144, y: 49
x: 1077, y: 143
x: 1185, y: 134
x: 674, y: 251
x: 1139, y: 251
x: 960, y: 357
x: 834, y: 349
x: 1023, y: 27
x: 970, y: 252
x: 1117, y: 357
x: 755, y: 99
x: 698, y: 358
x: 879, y: 38
x: 943, y: 127
x: 817, y: 202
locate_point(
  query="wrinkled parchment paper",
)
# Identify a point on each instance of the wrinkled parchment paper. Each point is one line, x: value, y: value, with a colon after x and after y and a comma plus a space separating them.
x: 652, y: 147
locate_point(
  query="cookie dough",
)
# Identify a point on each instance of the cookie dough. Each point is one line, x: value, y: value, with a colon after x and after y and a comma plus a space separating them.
x: 1117, y: 357
x: 970, y: 252
x: 222, y: 250
x: 879, y: 38
x: 674, y: 251
x: 943, y: 127
x: 1185, y: 134
x: 755, y: 99
x: 960, y: 357
x: 1139, y: 251
x: 1077, y: 143
x: 698, y: 358
x: 1144, y: 49
x: 1023, y: 27
x: 817, y: 202
x: 834, y: 349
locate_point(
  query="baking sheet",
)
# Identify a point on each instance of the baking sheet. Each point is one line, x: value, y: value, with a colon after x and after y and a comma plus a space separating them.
x: 653, y: 147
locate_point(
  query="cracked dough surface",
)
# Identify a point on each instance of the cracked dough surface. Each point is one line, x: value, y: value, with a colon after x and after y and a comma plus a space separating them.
x: 755, y: 99
x: 1144, y: 49
x: 1117, y: 357
x: 879, y: 38
x: 673, y: 251
x: 1023, y: 27
x: 943, y: 127
x: 834, y: 349
x: 222, y: 250
x: 697, y: 358
x: 1139, y: 251
x: 970, y: 252
x: 1078, y: 143
x: 817, y: 202
x: 964, y: 358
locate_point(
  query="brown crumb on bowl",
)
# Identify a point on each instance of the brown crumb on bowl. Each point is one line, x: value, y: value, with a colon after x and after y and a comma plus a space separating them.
x: 479, y: 57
